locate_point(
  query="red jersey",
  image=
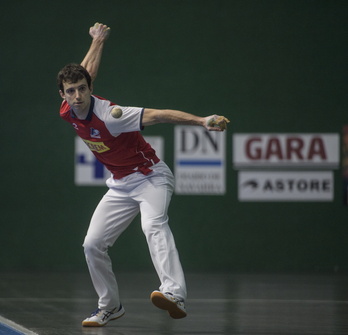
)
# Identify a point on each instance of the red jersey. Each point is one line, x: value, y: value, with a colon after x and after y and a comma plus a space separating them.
x: 116, y: 143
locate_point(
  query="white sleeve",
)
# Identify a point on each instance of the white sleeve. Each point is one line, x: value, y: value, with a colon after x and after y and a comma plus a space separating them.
x: 129, y: 120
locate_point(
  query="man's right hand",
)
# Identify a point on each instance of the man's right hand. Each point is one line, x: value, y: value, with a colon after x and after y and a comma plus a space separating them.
x: 99, y: 31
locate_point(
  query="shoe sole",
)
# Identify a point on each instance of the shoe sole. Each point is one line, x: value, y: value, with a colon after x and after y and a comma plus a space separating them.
x: 160, y: 301
x: 96, y: 324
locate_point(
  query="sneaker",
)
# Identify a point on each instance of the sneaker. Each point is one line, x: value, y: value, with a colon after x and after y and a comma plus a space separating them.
x: 166, y: 301
x: 101, y: 317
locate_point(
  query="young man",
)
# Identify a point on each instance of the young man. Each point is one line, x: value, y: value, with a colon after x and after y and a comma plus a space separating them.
x: 139, y: 182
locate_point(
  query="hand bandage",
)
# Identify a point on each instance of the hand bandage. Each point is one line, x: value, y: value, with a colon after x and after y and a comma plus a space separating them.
x: 218, y: 121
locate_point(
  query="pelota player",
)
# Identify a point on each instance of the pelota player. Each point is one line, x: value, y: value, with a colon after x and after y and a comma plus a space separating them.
x: 139, y: 182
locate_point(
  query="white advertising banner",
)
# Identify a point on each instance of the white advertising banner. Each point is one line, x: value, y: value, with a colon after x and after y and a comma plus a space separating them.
x: 286, y: 150
x: 199, y: 161
x: 285, y: 186
x: 89, y: 172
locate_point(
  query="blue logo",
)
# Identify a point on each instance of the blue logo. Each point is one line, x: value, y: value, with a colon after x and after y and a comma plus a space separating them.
x: 95, y: 133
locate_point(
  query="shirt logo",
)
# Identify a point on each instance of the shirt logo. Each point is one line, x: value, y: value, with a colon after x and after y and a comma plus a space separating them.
x: 95, y: 133
x: 98, y: 147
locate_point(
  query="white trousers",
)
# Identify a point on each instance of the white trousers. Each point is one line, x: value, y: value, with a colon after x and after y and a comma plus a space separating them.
x: 150, y: 195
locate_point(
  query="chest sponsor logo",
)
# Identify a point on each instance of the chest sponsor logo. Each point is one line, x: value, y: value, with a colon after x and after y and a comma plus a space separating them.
x: 95, y: 133
x: 99, y: 147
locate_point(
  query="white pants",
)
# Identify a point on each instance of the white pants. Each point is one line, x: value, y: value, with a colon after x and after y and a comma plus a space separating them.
x: 151, y: 196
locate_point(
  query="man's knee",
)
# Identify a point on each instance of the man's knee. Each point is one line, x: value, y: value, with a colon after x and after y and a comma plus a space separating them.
x: 151, y: 227
x: 93, y: 246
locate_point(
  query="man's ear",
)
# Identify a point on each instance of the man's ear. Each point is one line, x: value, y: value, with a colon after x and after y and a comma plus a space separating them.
x: 91, y: 88
x: 62, y: 94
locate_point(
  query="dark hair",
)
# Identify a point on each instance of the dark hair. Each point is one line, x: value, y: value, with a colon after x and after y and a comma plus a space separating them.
x: 72, y: 73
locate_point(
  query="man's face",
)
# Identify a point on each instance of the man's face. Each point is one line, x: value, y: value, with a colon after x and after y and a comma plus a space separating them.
x: 77, y: 95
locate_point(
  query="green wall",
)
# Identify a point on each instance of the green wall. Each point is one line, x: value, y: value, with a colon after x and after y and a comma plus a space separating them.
x: 270, y: 66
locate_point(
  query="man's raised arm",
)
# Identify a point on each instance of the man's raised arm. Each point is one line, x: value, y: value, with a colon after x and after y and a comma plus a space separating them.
x: 99, y: 33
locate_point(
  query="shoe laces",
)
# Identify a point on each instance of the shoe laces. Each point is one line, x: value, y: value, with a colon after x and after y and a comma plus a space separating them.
x: 96, y: 312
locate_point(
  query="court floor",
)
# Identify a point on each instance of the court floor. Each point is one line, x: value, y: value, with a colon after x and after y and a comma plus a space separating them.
x: 255, y: 304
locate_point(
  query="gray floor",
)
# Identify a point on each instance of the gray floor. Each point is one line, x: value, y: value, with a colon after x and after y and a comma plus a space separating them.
x: 56, y: 303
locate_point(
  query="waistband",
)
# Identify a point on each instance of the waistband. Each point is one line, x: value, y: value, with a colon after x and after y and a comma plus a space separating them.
x: 143, y: 168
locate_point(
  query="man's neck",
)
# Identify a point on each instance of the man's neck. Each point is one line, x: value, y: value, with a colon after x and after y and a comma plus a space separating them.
x: 82, y: 114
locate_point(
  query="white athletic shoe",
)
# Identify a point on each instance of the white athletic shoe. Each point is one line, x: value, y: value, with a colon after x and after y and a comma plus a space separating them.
x: 168, y: 302
x: 101, y: 317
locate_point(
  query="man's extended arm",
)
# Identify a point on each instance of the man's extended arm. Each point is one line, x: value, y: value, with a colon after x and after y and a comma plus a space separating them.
x: 211, y: 122
x: 99, y: 33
